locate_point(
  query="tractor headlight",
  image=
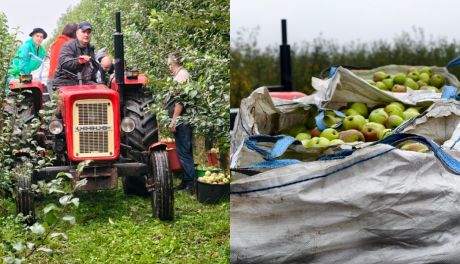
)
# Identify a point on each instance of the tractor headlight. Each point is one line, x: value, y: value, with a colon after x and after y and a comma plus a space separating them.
x: 127, y: 125
x: 56, y: 127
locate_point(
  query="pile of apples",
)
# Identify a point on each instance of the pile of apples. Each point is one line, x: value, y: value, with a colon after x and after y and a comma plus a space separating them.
x: 214, y: 178
x: 424, y: 79
x: 360, y: 124
x: 207, y: 168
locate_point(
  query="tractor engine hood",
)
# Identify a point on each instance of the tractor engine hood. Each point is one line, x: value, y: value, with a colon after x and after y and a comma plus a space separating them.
x: 91, y: 116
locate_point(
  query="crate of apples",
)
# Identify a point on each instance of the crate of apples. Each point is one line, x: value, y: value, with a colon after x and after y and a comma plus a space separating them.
x: 214, y: 178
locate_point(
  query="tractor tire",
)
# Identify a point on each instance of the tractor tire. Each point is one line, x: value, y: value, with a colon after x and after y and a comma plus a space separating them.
x: 146, y: 132
x: 163, y: 193
x: 28, y: 109
x: 25, y: 199
x: 144, y: 135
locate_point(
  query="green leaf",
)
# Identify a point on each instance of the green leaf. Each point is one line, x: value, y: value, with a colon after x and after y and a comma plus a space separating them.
x: 19, y: 247
x: 57, y: 235
x: 193, y: 93
x: 45, y: 249
x: 64, y: 174
x: 37, y: 229
x: 50, y: 207
x: 69, y: 218
x: 65, y: 200
x: 82, y: 165
x: 81, y: 183
x: 75, y: 201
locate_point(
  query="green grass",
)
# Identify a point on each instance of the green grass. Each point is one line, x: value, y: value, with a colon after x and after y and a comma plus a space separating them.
x: 115, y: 228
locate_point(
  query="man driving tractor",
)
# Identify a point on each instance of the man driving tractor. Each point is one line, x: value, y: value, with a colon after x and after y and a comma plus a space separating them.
x: 75, y: 56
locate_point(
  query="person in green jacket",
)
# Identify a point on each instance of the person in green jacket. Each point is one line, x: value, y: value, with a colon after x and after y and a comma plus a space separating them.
x: 29, y: 56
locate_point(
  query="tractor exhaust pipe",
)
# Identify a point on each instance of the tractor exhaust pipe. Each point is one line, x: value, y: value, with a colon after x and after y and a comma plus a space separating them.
x: 285, y: 60
x: 119, y: 51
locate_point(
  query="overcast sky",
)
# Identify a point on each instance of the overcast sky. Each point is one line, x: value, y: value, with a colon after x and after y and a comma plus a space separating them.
x: 28, y: 14
x: 344, y: 20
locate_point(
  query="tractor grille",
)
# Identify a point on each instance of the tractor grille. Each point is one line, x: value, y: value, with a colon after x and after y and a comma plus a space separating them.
x: 93, y: 128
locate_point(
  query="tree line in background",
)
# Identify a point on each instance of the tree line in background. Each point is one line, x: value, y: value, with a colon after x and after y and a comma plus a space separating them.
x: 252, y: 67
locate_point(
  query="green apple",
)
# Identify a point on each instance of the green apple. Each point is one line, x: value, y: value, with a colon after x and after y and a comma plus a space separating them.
x: 351, y: 135
x: 379, y: 76
x: 415, y: 146
x: 350, y: 112
x: 399, y: 78
x: 330, y: 120
x: 411, y: 69
x: 410, y: 112
x: 397, y: 88
x: 384, y: 133
x: 336, y: 142
x: 424, y: 77
x: 421, y: 83
x: 305, y: 142
x: 318, y: 142
x: 388, y: 83
x: 370, y: 134
x: 330, y: 134
x: 354, y: 122
x: 361, y: 108
x: 437, y: 80
x: 414, y: 75
x: 381, y: 86
x: 426, y: 70
x: 393, y: 109
x: 378, y: 116
x: 371, y: 130
x: 374, y: 125
x: 302, y: 136
x: 411, y: 84
x: 399, y: 105
x: 394, y: 121
x: 371, y: 82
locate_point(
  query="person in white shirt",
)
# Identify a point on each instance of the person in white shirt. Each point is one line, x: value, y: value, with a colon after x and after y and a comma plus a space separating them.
x: 182, y: 132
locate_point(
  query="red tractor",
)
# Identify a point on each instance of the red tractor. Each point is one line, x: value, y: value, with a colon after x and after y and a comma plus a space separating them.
x: 109, y: 126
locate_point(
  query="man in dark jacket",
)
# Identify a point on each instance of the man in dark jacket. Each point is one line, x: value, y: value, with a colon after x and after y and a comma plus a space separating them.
x: 75, y: 56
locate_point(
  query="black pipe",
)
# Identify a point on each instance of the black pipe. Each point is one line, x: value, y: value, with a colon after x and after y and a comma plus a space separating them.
x: 285, y: 59
x: 119, y: 51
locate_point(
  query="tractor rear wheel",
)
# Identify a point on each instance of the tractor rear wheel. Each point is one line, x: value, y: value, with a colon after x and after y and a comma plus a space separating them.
x: 25, y: 198
x: 144, y: 135
x: 162, y: 180
x: 146, y: 132
x: 27, y: 110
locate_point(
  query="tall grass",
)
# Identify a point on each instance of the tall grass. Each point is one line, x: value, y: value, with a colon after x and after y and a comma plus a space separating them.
x: 252, y: 67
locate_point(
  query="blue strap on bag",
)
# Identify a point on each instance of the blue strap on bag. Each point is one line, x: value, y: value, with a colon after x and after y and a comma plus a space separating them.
x: 281, y: 144
x: 319, y: 119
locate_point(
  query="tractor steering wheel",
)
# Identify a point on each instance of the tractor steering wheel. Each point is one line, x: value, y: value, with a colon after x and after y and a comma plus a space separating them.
x: 92, y: 61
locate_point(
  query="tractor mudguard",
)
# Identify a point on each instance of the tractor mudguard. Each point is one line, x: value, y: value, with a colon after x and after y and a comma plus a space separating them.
x: 157, y: 146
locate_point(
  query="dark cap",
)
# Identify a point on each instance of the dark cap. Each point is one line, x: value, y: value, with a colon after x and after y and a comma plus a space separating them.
x: 39, y: 30
x: 84, y: 25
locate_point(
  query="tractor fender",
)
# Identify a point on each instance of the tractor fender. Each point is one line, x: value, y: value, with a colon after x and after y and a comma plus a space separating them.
x: 157, y: 146
x: 14, y: 84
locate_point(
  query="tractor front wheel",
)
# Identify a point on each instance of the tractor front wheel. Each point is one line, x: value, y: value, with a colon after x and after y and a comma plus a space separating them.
x: 25, y: 199
x: 162, y: 181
